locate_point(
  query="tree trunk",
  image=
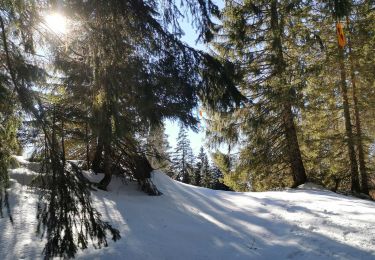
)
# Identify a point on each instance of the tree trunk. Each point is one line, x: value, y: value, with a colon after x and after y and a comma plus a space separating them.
x: 54, y: 151
x: 107, y: 162
x: 348, y: 125
x: 87, y: 146
x: 294, y: 153
x: 293, y: 150
x: 142, y: 171
x: 98, y: 154
x: 358, y: 139
x: 63, y: 140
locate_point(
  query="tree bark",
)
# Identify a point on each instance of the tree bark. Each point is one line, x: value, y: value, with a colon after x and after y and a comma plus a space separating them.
x: 107, y: 138
x: 107, y: 162
x: 348, y: 125
x: 96, y: 162
x: 293, y: 150
x: 63, y: 140
x: 87, y: 146
x: 358, y: 139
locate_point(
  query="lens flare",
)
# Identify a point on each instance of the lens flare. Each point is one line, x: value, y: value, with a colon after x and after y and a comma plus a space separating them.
x: 56, y: 23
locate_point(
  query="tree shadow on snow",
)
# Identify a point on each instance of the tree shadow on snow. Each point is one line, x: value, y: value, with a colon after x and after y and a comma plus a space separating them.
x: 194, y: 223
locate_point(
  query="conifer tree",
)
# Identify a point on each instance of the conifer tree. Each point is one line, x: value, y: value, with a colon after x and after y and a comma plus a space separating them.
x: 207, y: 178
x: 203, y: 171
x: 136, y: 71
x: 9, y: 145
x: 21, y: 74
x: 158, y: 148
x: 15, y: 42
x: 286, y: 101
x: 217, y: 177
x: 234, y: 177
x: 322, y: 122
x: 362, y: 37
x: 198, y: 168
x: 183, y: 157
x: 359, y: 36
x: 323, y: 134
x: 261, y: 38
x: 341, y: 9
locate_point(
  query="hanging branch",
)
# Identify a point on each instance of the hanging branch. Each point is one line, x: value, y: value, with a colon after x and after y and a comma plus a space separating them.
x: 65, y: 211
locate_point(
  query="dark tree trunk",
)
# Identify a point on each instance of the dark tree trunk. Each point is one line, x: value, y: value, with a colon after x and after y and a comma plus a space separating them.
x: 97, y: 161
x: 54, y: 151
x: 293, y: 150
x: 107, y: 165
x: 358, y: 139
x: 63, y: 141
x: 107, y: 142
x: 348, y: 125
x: 87, y: 146
x: 142, y: 171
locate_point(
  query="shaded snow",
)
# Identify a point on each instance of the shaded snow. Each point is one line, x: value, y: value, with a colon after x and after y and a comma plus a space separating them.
x: 32, y: 166
x: 22, y: 176
x: 19, y: 241
x: 311, y: 186
x: 188, y: 222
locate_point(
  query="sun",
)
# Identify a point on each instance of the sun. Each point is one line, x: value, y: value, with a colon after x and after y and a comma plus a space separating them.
x: 56, y: 23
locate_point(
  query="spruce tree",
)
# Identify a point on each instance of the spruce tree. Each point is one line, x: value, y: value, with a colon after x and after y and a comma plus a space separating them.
x: 203, y: 176
x: 217, y: 177
x: 261, y: 38
x: 359, y: 37
x: 15, y: 42
x: 362, y: 38
x: 234, y: 177
x: 323, y: 132
x: 157, y: 147
x: 207, y: 178
x: 59, y: 190
x: 323, y: 135
x: 183, y: 157
x: 198, y: 168
x: 9, y: 144
x: 341, y: 9
x: 135, y: 70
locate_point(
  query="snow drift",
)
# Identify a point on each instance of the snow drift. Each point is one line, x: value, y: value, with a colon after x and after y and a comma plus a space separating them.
x: 189, y: 222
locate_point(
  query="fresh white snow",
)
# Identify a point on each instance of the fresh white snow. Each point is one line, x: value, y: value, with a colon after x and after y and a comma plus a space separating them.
x: 189, y: 222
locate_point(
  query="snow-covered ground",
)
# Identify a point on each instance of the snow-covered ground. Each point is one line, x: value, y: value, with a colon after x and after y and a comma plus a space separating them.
x: 188, y: 222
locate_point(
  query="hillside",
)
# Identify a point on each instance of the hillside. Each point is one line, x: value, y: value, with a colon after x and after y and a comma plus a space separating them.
x: 189, y: 222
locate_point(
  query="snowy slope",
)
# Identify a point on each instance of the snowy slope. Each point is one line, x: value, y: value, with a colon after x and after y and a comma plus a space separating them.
x: 188, y: 222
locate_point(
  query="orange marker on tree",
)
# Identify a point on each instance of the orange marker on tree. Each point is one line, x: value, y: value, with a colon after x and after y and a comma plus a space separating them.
x: 340, y: 34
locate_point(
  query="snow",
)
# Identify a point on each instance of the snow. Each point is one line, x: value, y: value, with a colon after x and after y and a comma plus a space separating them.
x: 19, y: 241
x: 22, y: 176
x: 189, y: 222
x: 311, y: 186
x: 22, y: 160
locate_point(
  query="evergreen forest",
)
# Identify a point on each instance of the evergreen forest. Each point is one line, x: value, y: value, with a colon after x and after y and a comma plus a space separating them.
x: 283, y: 92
